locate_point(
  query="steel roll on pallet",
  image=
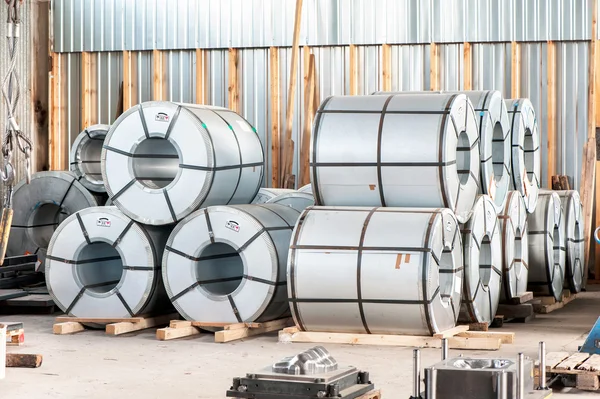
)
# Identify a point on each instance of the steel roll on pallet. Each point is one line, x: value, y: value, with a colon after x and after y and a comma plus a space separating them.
x: 526, y: 159
x: 86, y: 152
x: 574, y: 239
x: 375, y: 270
x: 547, y: 253
x: 266, y: 194
x: 365, y: 152
x: 482, y: 251
x: 227, y: 264
x: 515, y: 246
x: 40, y: 206
x: 102, y: 264
x: 296, y: 199
x: 161, y: 161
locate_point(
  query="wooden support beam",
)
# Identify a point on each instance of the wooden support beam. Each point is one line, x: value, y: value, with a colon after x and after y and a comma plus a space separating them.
x: 67, y: 327
x: 201, y: 77
x: 54, y: 139
x: 130, y: 96
x: 434, y: 67
x: 40, y: 84
x: 467, y: 67
x: 309, y: 94
x: 86, y: 90
x: 386, y: 67
x: 515, y: 69
x: 228, y: 335
x: 147, y: 322
x: 353, y: 70
x: 288, y: 144
x: 551, y: 119
x: 159, y: 78
x: 275, y: 112
x: 233, y: 89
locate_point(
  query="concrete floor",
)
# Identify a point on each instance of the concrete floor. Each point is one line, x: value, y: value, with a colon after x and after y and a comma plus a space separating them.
x: 92, y: 365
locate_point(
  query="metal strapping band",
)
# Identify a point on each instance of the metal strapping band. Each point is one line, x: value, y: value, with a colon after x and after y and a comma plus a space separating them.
x: 235, y: 309
x: 124, y: 303
x: 83, y: 230
x: 143, y: 119
x: 170, y: 205
x: 121, y: 191
x: 211, y: 235
x: 359, y: 266
x: 120, y: 237
x: 379, y: 140
x: 82, y: 291
x: 172, y: 122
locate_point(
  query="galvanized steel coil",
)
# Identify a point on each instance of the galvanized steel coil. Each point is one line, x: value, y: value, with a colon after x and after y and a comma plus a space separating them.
x: 102, y: 264
x: 86, y: 152
x: 547, y: 252
x: 266, y: 194
x: 161, y: 161
x: 40, y: 206
x: 515, y: 245
x: 228, y: 263
x: 574, y: 239
x: 526, y: 159
x: 365, y: 152
x: 306, y: 189
x: 482, y: 251
x: 297, y: 200
x: 375, y: 270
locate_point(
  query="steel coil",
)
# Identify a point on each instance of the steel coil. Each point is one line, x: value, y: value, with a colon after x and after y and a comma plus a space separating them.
x: 375, y: 270
x: 266, y: 194
x: 161, y: 161
x: 574, y: 241
x: 102, y: 264
x: 40, y: 206
x: 297, y: 200
x: 306, y: 189
x: 526, y: 160
x: 515, y: 244
x: 228, y: 263
x: 365, y: 152
x: 547, y: 252
x: 86, y: 152
x: 482, y: 251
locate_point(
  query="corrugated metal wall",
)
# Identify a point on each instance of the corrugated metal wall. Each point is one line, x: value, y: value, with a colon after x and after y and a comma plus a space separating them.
x: 180, y: 26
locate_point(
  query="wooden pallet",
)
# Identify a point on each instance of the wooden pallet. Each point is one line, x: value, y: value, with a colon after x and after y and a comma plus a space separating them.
x: 583, y: 366
x: 459, y: 337
x: 229, y: 332
x: 70, y: 325
x: 547, y: 304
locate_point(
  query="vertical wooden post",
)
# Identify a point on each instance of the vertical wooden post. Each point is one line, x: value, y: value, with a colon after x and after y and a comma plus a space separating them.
x: 515, y: 83
x: 434, y: 67
x: 233, y: 89
x: 130, y: 97
x: 54, y: 141
x: 40, y: 85
x: 89, y: 91
x: 275, y: 112
x: 288, y: 144
x: 353, y: 71
x: 200, y: 76
x: 158, y: 81
x: 467, y: 67
x: 386, y: 67
x: 551, y: 121
x: 309, y: 94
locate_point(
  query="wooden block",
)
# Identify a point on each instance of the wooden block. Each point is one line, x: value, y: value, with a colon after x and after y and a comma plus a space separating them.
x: 232, y: 335
x: 68, y: 327
x: 127, y: 327
x: 553, y: 359
x: 180, y: 323
x: 16, y: 338
x: 371, y: 395
x: 478, y: 327
x: 504, y: 337
x: 168, y: 333
x: 547, y: 300
x: 591, y: 364
x: 451, y: 332
x: 515, y: 311
x: 497, y: 322
x: 564, y: 182
x: 99, y: 320
x: 23, y: 360
x: 524, y: 297
x: 556, y: 183
x: 587, y: 382
x: 572, y: 361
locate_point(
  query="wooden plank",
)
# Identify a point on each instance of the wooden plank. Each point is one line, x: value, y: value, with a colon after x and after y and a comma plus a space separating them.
x: 168, y: 333
x: 57, y: 109
x: 515, y: 83
x: 232, y: 335
x: 371, y: 395
x: 309, y: 95
x: 228, y: 326
x: 23, y: 360
x: 275, y: 112
x: 551, y: 117
x: 127, y: 327
x: 591, y: 364
x: 564, y: 182
x: 386, y: 67
x: 233, y: 88
x: 130, y: 95
x: 504, y: 337
x: 587, y: 382
x: 520, y: 311
x: 587, y: 191
x: 180, y: 323
x: 434, y: 67
x: 159, y: 77
x: 553, y: 359
x: 99, y: 320
x: 478, y: 326
x: 201, y: 80
x: 467, y: 67
x: 523, y: 298
x: 39, y: 68
x: 451, y: 332
x: 69, y: 327
x: 572, y: 361
x: 353, y: 70
x: 293, y: 335
x: 291, y: 98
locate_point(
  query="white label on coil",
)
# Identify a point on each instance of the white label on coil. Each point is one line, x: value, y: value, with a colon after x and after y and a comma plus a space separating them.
x: 244, y: 125
x: 233, y: 225
x: 103, y: 222
x: 161, y: 117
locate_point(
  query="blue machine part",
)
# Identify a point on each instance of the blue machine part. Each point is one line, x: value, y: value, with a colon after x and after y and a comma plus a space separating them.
x: 592, y: 342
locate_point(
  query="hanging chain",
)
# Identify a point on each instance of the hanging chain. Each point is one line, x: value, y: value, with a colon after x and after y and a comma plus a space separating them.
x: 11, y: 92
